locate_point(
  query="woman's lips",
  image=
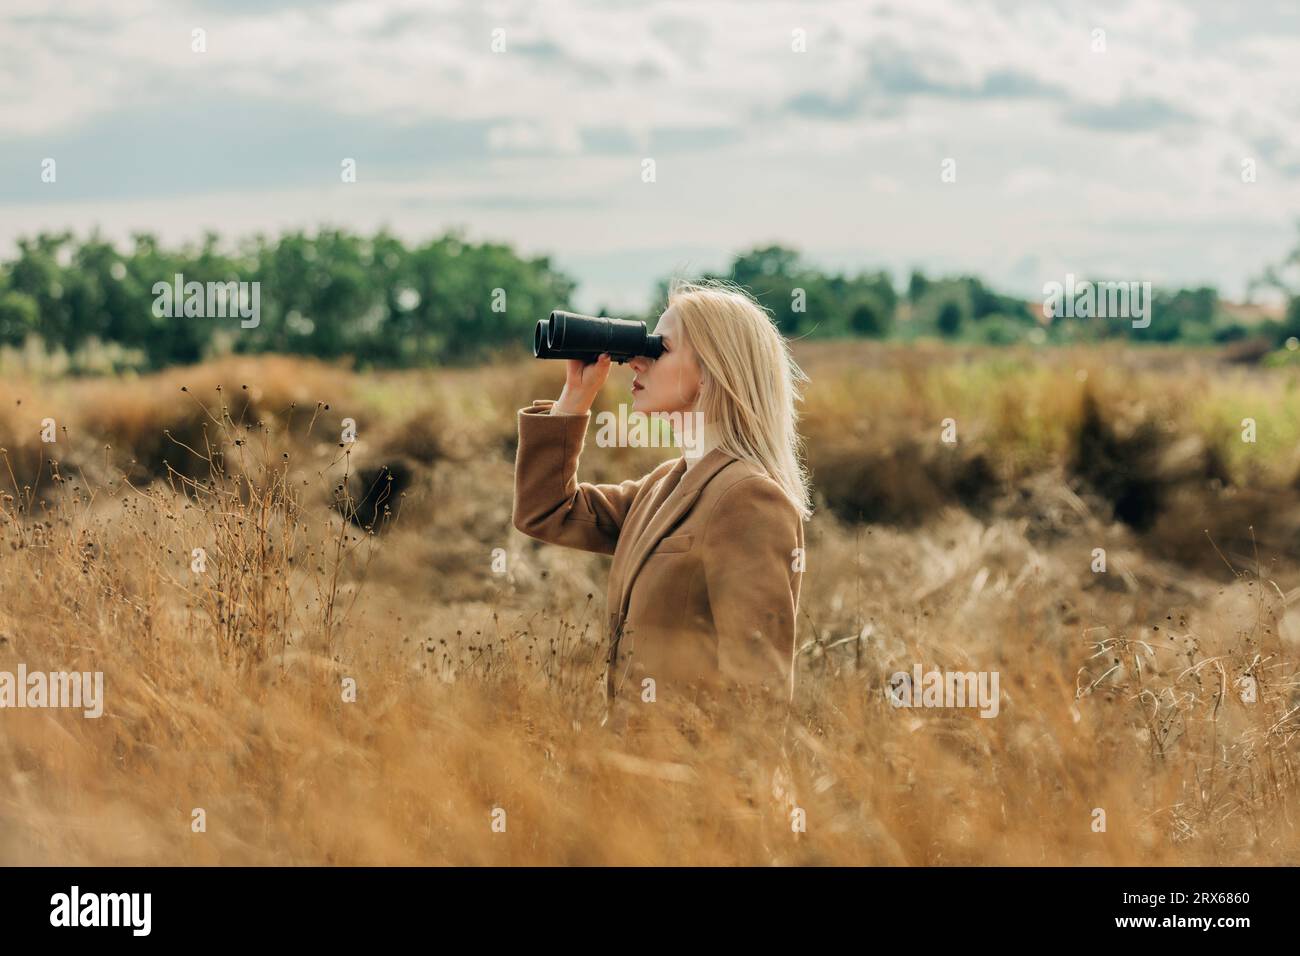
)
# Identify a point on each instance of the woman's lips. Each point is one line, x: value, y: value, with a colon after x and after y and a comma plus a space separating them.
x: 637, y: 387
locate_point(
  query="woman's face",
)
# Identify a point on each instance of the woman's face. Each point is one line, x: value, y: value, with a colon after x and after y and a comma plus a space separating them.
x: 670, y: 383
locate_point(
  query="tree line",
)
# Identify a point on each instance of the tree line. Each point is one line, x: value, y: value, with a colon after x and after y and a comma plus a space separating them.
x: 384, y: 302
x: 328, y: 295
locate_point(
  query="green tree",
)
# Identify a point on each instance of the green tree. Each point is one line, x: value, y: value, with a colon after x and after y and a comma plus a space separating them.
x: 869, y: 318
x: 949, y: 321
x: 917, y: 285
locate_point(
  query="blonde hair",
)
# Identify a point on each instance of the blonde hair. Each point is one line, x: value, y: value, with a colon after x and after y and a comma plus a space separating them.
x: 750, y: 381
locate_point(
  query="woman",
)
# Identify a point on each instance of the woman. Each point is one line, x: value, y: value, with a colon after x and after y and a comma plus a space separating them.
x: 708, y: 548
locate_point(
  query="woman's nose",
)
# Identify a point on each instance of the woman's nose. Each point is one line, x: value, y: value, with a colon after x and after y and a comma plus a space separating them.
x: 638, y: 364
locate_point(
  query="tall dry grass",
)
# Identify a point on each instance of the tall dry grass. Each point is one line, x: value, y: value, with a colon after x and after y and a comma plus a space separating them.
x: 477, y: 690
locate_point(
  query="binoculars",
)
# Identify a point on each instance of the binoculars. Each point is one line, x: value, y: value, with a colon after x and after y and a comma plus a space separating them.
x: 566, y: 335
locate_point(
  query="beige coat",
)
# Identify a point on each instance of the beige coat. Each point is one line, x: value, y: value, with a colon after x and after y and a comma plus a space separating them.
x: 704, y: 586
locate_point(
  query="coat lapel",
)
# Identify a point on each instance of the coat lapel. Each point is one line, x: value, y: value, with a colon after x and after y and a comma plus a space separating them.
x: 670, y: 511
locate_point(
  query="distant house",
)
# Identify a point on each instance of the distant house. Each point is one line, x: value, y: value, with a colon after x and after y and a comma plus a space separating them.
x: 1252, y: 313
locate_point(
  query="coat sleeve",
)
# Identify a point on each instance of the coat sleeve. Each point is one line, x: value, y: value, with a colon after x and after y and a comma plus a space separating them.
x: 753, y: 566
x: 550, y: 503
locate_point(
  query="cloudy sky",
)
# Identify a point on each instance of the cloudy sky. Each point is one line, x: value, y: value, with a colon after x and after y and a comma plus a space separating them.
x: 1125, y: 161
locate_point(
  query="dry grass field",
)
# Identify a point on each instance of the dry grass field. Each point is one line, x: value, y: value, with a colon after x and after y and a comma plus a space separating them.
x: 476, y: 669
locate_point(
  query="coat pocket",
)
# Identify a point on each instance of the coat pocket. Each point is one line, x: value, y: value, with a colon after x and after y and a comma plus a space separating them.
x: 673, y: 544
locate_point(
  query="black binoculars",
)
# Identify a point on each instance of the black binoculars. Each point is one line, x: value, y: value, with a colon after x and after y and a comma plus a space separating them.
x: 566, y: 335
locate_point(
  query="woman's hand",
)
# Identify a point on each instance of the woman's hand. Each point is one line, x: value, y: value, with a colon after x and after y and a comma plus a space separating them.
x: 582, y: 382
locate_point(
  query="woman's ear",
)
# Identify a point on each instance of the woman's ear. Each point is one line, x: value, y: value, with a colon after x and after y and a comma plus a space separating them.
x: 702, y: 390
